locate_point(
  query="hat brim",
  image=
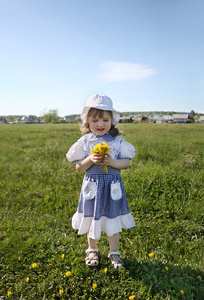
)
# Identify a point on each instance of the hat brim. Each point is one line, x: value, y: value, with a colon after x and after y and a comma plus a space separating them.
x: 115, y: 114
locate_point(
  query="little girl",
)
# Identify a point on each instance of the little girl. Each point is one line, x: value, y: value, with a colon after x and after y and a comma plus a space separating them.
x: 102, y: 204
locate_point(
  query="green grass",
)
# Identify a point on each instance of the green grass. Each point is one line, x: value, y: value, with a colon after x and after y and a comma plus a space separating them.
x: 39, y: 193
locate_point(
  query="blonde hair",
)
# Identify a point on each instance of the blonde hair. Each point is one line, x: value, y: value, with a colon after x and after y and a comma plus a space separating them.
x: 94, y: 112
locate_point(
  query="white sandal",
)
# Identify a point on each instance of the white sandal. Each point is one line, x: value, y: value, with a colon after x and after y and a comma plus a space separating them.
x: 117, y: 264
x: 92, y: 261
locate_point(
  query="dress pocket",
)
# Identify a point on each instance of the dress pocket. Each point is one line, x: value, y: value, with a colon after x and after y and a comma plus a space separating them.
x: 116, y: 192
x: 89, y: 190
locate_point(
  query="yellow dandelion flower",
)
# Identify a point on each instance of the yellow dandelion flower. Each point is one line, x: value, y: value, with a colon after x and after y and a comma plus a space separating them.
x: 62, y: 256
x: 27, y: 279
x: 166, y: 268
x: 102, y: 149
x: 68, y: 273
x: 182, y: 292
x: 94, y: 286
x: 151, y: 254
x: 97, y: 148
x: 34, y: 265
x: 132, y: 297
x: 105, y: 148
x: 61, y: 292
x: 9, y: 293
x: 105, y: 270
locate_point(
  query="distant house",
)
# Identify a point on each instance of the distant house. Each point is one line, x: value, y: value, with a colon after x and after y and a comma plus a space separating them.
x: 156, y: 119
x: 201, y: 119
x: 153, y: 119
x: 128, y: 119
x: 168, y: 119
x: 29, y: 119
x: 137, y: 119
x: 3, y: 120
x: 145, y: 120
x: 183, y: 118
x: 160, y: 120
x: 70, y: 118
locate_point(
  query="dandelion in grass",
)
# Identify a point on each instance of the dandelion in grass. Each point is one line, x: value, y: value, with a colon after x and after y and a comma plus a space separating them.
x: 27, y: 279
x: 62, y: 256
x: 94, y: 286
x: 182, y: 292
x: 61, y: 292
x: 9, y: 293
x: 105, y: 270
x: 151, y: 254
x: 166, y: 268
x: 34, y: 265
x: 102, y: 149
x: 68, y: 273
x: 132, y: 297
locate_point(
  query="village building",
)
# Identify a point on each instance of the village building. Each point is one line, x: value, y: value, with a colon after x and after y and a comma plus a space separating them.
x: 153, y: 118
x: 29, y: 119
x: 183, y: 118
x: 3, y: 120
x: 128, y: 119
x: 70, y: 118
x: 156, y: 119
x: 168, y: 118
x: 145, y: 119
x: 201, y: 119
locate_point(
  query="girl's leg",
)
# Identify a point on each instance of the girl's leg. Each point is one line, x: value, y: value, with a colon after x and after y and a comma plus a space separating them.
x: 92, y: 253
x: 113, y: 242
x: 92, y: 243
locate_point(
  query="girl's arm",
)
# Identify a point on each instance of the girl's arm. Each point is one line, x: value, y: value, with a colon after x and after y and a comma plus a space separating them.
x: 86, y: 163
x: 116, y: 163
x: 97, y: 159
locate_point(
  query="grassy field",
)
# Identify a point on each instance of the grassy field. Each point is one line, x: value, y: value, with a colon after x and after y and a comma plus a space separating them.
x: 42, y: 257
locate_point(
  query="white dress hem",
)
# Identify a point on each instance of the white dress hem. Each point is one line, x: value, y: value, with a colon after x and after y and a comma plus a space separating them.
x: 104, y: 224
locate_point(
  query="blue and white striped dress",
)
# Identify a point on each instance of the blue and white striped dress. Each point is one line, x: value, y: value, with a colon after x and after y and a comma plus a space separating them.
x: 102, y: 204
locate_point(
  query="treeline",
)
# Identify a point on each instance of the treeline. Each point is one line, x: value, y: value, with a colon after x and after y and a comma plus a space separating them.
x: 160, y: 113
x: 52, y: 115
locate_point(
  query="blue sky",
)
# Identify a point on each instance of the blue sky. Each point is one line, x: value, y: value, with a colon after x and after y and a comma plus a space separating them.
x: 146, y: 55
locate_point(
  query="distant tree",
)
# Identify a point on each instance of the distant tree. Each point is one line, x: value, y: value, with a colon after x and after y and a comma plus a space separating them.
x: 193, y: 112
x: 51, y: 116
x: 62, y: 121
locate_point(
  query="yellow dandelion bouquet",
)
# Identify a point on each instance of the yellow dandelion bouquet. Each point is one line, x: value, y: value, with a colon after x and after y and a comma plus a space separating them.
x: 102, y: 149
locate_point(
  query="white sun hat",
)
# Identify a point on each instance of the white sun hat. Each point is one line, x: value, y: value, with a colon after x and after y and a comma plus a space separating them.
x: 100, y: 102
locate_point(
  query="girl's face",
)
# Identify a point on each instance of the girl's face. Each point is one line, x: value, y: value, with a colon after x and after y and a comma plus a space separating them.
x: 100, y: 122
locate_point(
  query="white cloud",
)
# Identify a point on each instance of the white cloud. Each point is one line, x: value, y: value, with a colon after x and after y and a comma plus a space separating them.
x: 121, y: 71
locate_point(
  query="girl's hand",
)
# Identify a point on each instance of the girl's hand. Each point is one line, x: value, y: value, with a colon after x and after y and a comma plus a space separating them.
x: 96, y: 158
x: 86, y: 163
x: 107, y: 160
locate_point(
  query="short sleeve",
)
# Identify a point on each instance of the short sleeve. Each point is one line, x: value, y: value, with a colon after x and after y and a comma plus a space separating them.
x: 126, y: 150
x: 76, y: 152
